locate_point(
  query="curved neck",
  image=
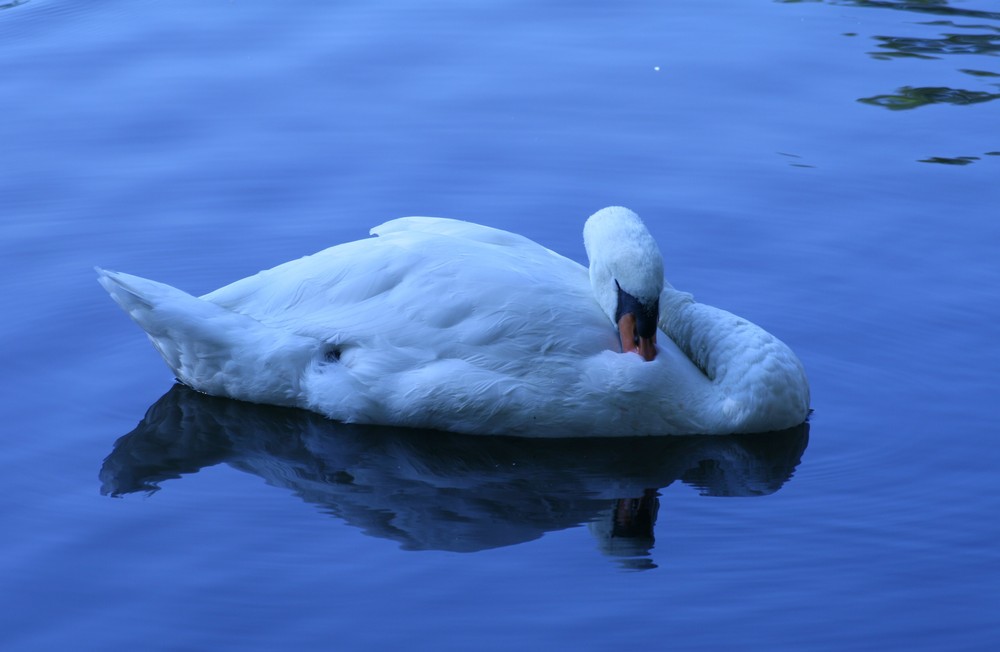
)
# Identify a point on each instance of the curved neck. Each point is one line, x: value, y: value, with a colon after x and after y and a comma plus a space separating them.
x: 758, y: 382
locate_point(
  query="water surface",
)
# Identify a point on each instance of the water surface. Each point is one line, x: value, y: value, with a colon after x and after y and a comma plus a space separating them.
x: 826, y: 169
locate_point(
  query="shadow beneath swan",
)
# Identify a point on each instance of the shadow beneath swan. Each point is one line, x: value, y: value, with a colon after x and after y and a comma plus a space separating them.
x: 433, y: 490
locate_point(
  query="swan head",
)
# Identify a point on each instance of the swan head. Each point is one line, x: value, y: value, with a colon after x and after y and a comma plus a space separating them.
x: 626, y: 275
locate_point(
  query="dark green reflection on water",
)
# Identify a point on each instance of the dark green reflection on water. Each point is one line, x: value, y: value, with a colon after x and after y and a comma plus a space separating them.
x: 936, y: 7
x: 956, y: 160
x: 944, y: 160
x: 967, y: 37
x: 933, y: 48
x: 909, y: 97
x: 979, y: 73
x: 985, y: 42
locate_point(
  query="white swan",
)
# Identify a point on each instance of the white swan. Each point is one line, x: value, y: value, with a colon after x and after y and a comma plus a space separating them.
x: 449, y: 325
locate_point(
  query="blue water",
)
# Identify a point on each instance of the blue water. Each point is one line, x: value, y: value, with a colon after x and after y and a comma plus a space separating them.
x: 829, y: 170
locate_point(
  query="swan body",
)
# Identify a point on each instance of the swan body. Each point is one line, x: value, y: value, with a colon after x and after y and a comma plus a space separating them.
x: 444, y: 324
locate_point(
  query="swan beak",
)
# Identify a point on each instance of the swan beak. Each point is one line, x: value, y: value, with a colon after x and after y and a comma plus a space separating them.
x: 632, y: 342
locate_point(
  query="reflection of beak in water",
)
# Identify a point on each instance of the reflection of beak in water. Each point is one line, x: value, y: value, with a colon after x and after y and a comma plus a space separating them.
x: 635, y: 517
x: 438, y: 491
x: 626, y: 530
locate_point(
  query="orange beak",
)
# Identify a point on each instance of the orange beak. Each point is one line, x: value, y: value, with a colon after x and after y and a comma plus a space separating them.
x: 644, y: 346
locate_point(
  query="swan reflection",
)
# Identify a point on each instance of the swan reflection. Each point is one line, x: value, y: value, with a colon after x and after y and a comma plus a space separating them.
x: 432, y: 490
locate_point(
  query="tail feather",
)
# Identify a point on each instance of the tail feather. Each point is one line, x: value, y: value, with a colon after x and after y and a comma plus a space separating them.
x: 210, y: 348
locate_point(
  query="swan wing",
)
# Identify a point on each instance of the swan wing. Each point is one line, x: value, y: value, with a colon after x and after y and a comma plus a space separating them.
x: 441, y: 285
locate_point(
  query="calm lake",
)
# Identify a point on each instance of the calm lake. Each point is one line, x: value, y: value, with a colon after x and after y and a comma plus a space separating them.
x: 828, y: 170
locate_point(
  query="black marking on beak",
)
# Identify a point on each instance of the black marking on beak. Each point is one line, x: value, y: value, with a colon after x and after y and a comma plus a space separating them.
x: 646, y: 317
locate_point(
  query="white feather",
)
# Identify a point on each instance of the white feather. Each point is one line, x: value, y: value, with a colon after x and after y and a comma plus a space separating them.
x: 450, y: 325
